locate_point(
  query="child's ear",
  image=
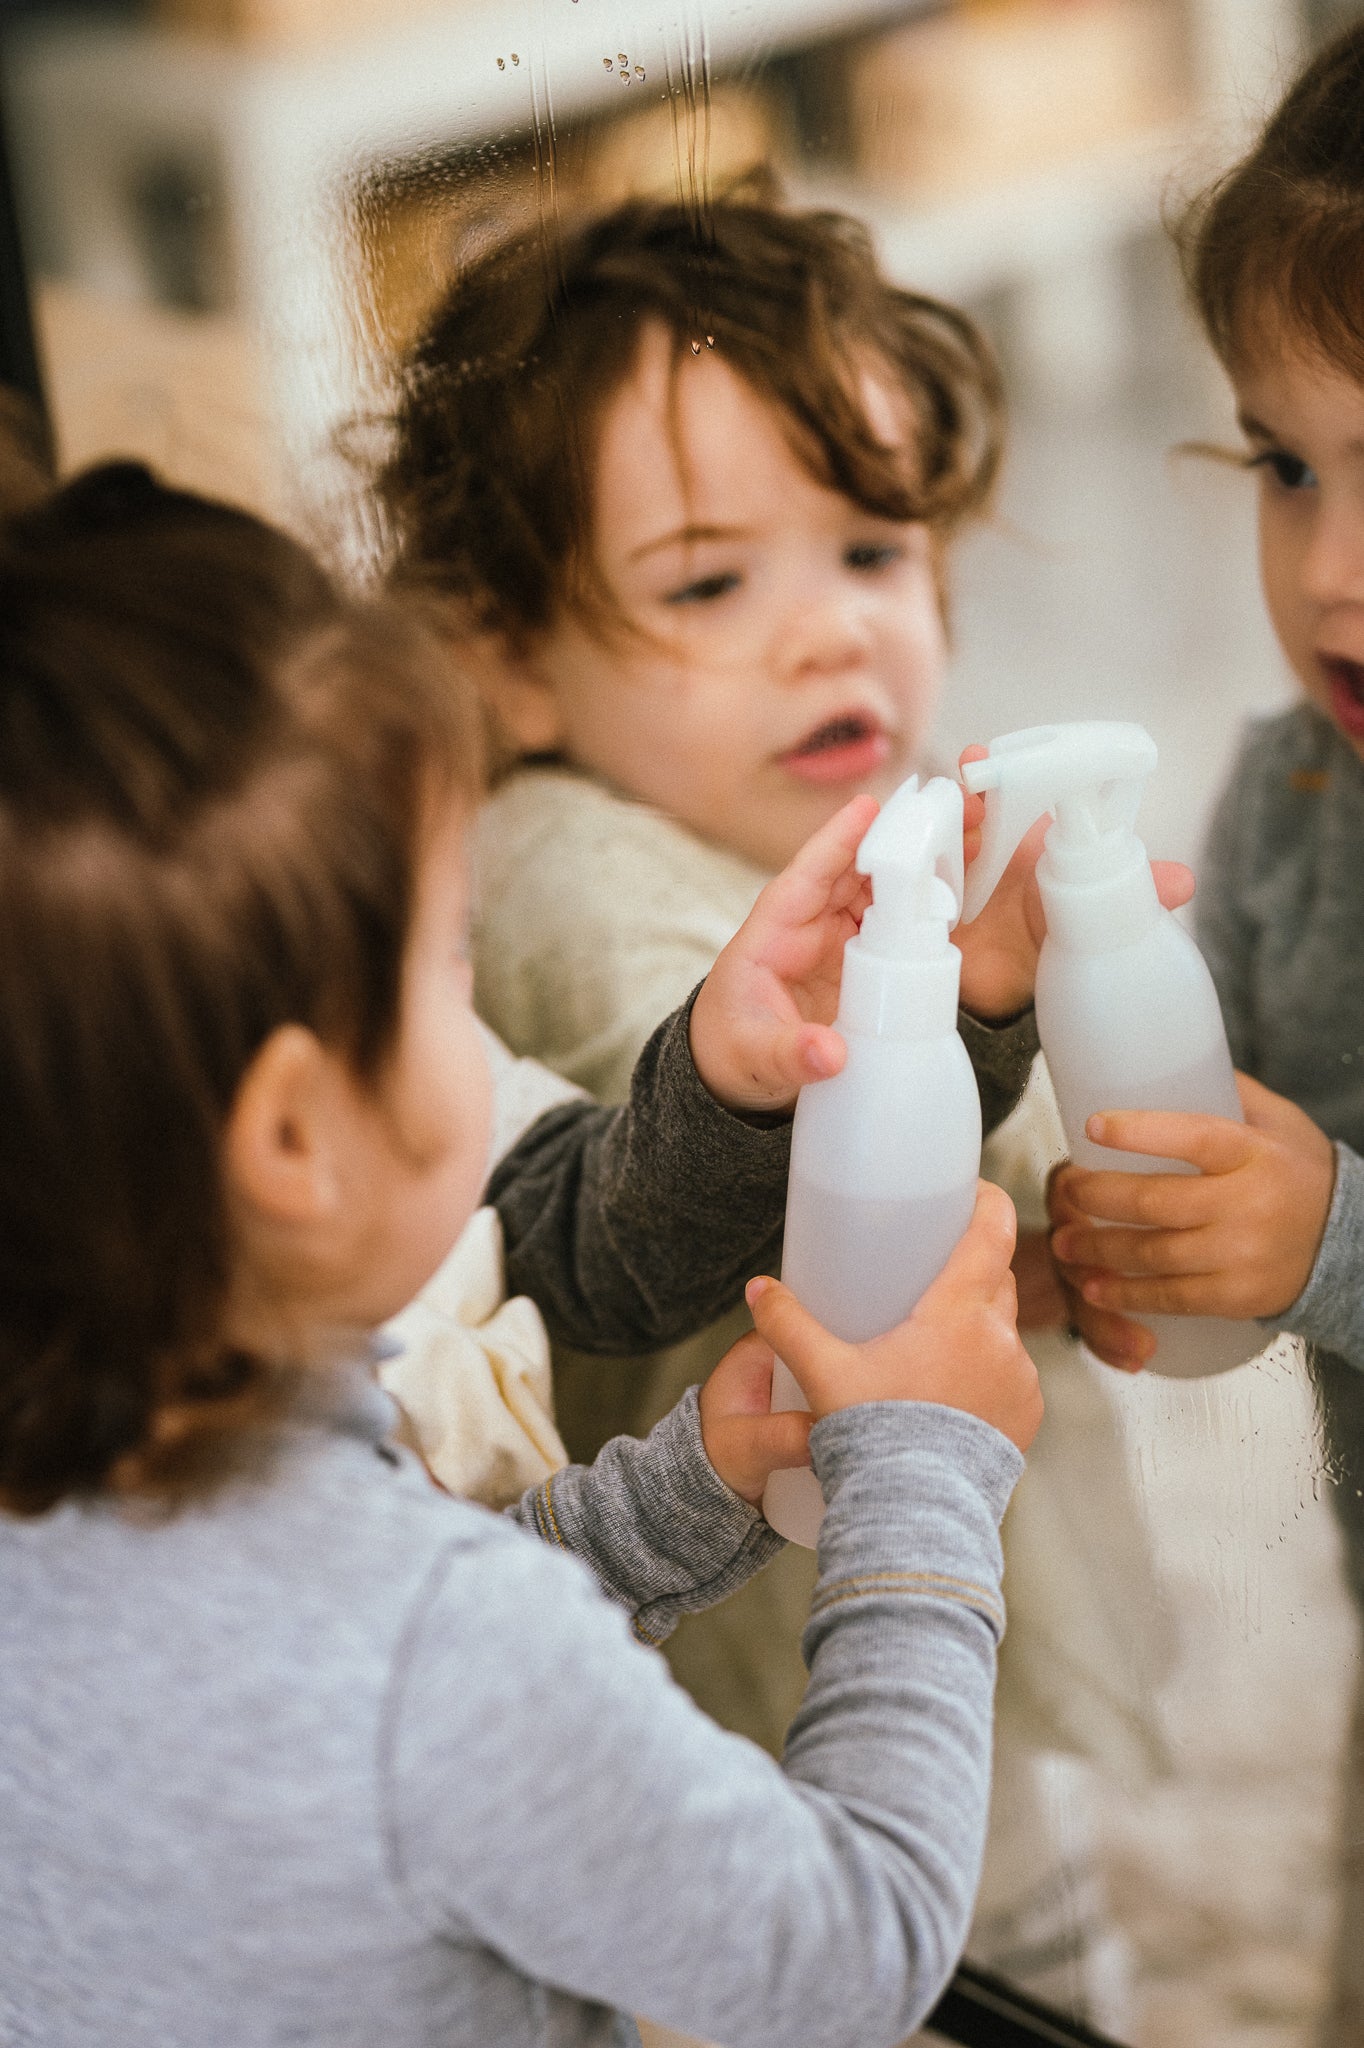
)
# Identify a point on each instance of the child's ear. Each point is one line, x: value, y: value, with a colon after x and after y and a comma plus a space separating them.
x: 285, y: 1128
x: 522, y: 702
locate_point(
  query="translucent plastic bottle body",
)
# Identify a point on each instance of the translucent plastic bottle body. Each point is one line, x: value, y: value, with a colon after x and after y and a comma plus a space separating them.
x: 1140, y: 1028
x: 884, y: 1163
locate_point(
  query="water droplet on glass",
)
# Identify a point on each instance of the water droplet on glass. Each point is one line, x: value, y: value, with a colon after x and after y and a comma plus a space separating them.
x: 608, y: 64
x: 696, y: 348
x: 710, y: 341
x: 515, y: 58
x: 639, y: 71
x: 621, y: 57
x: 501, y: 63
x: 626, y: 79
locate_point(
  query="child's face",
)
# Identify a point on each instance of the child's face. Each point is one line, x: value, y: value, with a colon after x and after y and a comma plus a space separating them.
x: 790, y: 646
x: 1305, y: 424
x: 430, y: 1129
x: 350, y: 1193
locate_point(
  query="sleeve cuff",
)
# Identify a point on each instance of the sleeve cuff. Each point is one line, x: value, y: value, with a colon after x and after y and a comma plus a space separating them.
x: 915, y: 1494
x: 709, y: 1520
x: 1330, y: 1309
x: 881, y: 1436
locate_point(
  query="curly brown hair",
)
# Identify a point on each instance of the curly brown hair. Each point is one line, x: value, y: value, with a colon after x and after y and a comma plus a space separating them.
x: 1274, y: 249
x: 214, y: 777
x: 488, y: 482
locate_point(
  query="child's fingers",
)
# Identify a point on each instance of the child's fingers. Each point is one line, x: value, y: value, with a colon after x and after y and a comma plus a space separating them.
x: 1061, y: 1208
x: 820, y: 1050
x: 1174, y: 882
x: 804, y: 1346
x: 1191, y: 1294
x: 795, y: 1055
x: 1214, y: 1144
x: 780, y: 1442
x: 801, y: 891
x: 1115, y: 1340
x: 980, y: 1265
x: 1041, y: 1301
x: 1276, y: 1115
x: 743, y: 1377
x: 1115, y: 1250
x: 972, y: 807
x: 1156, y: 1201
x: 747, y: 1447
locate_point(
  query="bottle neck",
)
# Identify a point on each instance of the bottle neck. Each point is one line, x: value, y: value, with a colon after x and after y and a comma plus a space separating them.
x: 906, y: 999
x: 1097, y: 913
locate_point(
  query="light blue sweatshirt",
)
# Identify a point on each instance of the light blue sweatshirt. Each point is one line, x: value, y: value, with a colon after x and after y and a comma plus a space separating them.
x: 330, y: 1758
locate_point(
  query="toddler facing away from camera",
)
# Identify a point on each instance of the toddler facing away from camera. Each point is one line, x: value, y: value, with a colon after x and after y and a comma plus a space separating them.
x: 695, y: 485
x: 293, y: 1744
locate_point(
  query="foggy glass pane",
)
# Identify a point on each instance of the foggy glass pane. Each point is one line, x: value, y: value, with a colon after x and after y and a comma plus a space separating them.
x: 239, y: 213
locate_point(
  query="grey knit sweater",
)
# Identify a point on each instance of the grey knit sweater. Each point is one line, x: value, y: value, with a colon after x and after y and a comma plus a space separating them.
x: 1281, y: 922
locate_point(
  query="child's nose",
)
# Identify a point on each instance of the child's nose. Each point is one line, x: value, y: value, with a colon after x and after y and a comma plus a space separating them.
x: 830, y: 631
x: 1333, y: 566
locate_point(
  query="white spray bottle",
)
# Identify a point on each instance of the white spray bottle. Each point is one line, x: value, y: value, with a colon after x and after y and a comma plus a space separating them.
x: 885, y: 1155
x: 1126, y: 1008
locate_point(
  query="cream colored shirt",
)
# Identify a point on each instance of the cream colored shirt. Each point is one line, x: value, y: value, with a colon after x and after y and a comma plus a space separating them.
x: 470, y: 1369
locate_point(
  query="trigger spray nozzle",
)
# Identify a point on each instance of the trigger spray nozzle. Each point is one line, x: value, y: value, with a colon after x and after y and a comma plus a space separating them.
x: 1089, y: 775
x: 913, y: 854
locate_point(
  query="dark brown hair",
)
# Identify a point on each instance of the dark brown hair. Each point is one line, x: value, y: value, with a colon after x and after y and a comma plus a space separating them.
x: 1274, y: 249
x: 488, y: 482
x: 215, y: 774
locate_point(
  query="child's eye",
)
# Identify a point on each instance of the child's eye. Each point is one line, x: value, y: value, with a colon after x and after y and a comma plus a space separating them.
x: 870, y: 554
x: 1289, y: 472
x: 705, y: 590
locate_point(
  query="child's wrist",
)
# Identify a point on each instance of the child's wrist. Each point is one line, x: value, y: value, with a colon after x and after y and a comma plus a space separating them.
x: 725, y: 1088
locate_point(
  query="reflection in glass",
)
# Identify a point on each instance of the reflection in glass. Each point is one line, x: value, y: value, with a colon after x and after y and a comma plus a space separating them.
x: 235, y: 215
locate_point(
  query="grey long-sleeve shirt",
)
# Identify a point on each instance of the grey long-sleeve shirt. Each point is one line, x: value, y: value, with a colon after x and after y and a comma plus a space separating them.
x: 1280, y: 910
x: 331, y: 1758
x: 633, y: 1228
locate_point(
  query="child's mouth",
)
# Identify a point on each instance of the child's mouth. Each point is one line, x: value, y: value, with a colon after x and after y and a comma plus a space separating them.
x: 1346, y: 679
x: 843, y: 749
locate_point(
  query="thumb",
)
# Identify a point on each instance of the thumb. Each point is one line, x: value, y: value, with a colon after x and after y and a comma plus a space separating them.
x: 1174, y: 882
x: 804, y: 1346
x: 980, y: 1260
x: 781, y: 1441
x: 812, y: 1052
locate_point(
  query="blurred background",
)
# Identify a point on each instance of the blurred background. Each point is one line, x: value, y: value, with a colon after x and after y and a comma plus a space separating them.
x: 234, y: 210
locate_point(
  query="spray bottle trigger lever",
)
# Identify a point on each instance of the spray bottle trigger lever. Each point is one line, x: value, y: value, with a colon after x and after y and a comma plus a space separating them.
x: 1090, y: 774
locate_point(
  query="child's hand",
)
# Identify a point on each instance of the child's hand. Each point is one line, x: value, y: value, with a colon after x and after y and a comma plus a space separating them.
x: 999, y: 950
x: 1042, y: 1301
x: 1239, y: 1239
x: 1114, y: 1339
x: 745, y: 1442
x: 761, y: 1026
x: 959, y: 1345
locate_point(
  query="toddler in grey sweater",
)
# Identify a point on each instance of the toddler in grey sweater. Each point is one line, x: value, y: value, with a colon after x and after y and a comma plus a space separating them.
x: 1272, y: 1226
x: 293, y: 1746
